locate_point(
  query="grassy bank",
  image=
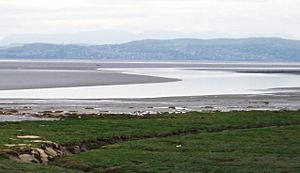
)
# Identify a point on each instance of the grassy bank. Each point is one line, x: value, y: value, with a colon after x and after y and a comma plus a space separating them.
x: 275, y: 149
x: 194, y: 142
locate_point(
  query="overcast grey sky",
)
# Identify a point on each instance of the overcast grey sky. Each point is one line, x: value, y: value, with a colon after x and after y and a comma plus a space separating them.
x: 236, y: 18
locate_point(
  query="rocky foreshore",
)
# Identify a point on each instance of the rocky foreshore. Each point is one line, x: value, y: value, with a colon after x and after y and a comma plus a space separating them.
x: 149, y: 106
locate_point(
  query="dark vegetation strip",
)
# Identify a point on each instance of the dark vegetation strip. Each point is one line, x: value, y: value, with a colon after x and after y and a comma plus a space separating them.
x: 95, y: 144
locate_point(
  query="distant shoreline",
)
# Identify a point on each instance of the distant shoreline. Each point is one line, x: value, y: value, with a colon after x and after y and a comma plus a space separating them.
x: 151, y: 61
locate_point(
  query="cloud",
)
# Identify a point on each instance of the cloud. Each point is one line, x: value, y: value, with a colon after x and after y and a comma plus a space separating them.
x: 234, y: 17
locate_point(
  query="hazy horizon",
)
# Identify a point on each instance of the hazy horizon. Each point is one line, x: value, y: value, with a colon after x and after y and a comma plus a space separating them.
x: 116, y: 21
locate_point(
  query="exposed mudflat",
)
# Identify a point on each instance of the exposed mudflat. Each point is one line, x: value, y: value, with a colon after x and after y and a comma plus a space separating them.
x: 31, y: 79
x: 91, y: 65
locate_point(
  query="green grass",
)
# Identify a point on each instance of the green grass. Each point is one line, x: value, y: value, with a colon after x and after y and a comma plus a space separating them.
x: 275, y: 149
x: 218, y: 145
x: 8, y: 166
x: 74, y: 131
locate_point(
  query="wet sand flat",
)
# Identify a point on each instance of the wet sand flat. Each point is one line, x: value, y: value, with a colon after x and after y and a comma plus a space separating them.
x: 31, y: 79
x: 92, y: 65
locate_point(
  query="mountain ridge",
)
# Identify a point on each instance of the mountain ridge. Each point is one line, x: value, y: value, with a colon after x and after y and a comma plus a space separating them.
x: 224, y: 49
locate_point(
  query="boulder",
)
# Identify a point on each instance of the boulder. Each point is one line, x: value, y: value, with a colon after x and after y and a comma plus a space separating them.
x: 51, y: 152
x: 27, y: 158
x: 42, y: 155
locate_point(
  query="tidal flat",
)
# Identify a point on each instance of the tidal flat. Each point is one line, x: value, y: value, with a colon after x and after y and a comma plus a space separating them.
x: 131, y: 80
x: 51, y: 89
x: 149, y: 117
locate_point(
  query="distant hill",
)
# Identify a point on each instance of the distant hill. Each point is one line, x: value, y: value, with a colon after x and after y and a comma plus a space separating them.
x: 249, y: 49
x: 103, y: 36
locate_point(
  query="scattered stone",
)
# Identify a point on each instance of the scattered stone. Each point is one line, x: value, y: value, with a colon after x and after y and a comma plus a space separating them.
x: 143, y: 113
x: 42, y: 155
x: 178, y: 146
x: 12, y: 155
x: 41, y: 141
x: 46, y: 112
x: 27, y: 158
x: 16, y: 145
x: 181, y: 108
x: 8, y: 111
x: 76, y: 150
x: 28, y: 137
x: 51, y: 152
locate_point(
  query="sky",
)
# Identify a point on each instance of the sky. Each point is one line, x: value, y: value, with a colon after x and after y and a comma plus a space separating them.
x: 216, y: 18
